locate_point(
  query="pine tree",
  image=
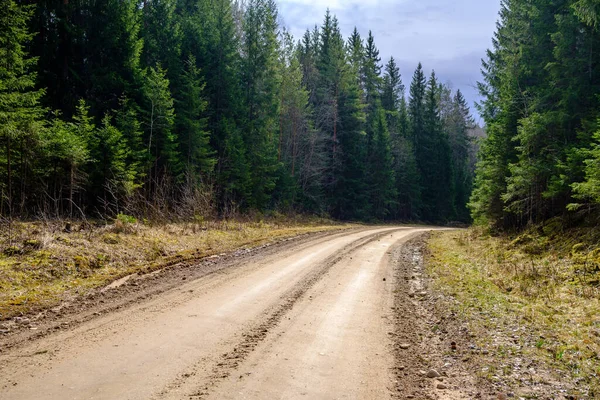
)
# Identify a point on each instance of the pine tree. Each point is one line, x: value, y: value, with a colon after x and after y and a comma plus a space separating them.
x: 162, y: 36
x: 158, y: 123
x: 210, y: 35
x: 112, y: 178
x: 381, y: 170
x: 392, y: 92
x: 349, y: 196
x: 356, y: 55
x: 20, y: 111
x: 191, y: 124
x: 112, y: 59
x: 416, y: 105
x: 260, y: 80
x: 68, y: 145
x: 308, y: 53
x: 458, y: 124
x: 372, y: 75
x: 433, y: 159
x: 404, y: 166
x: 128, y: 122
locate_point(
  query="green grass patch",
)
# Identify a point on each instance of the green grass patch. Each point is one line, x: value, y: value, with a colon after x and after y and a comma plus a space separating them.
x: 524, y: 298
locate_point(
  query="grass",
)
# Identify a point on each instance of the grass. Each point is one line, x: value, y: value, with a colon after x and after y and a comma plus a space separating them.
x: 42, y: 264
x: 533, y: 297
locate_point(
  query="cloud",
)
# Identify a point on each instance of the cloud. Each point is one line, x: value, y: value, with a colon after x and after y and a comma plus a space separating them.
x: 450, y: 37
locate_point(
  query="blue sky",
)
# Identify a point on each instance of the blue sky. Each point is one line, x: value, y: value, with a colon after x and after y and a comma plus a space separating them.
x: 448, y: 36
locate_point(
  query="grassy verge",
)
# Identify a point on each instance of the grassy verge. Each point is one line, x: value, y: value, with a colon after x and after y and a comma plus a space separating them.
x: 532, y: 303
x: 44, y: 263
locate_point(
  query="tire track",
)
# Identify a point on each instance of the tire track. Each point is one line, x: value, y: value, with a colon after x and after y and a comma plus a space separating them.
x: 227, y: 363
x: 146, y: 287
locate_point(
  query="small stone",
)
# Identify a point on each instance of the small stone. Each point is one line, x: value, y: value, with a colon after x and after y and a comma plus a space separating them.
x: 433, y: 374
x: 405, y: 346
x: 384, y: 279
x: 442, y: 386
x: 184, y: 278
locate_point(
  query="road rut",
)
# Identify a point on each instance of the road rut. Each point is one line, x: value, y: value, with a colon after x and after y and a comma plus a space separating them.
x: 309, y: 322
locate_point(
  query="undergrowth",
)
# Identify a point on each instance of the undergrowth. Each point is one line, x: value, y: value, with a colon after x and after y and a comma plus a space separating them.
x: 42, y: 263
x: 533, y: 302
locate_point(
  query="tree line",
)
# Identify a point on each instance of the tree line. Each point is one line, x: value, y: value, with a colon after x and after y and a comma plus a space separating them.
x: 541, y: 159
x: 189, y: 108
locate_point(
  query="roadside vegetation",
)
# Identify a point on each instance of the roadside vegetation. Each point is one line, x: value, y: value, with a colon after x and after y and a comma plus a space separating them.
x: 532, y: 303
x: 42, y: 263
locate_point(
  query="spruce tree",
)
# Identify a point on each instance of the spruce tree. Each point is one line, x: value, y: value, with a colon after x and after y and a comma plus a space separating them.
x: 433, y: 159
x: 20, y: 111
x: 110, y: 56
x: 191, y: 125
x: 158, y: 122
x: 416, y: 105
x: 260, y: 80
x: 392, y: 91
x: 457, y: 126
x: 381, y: 170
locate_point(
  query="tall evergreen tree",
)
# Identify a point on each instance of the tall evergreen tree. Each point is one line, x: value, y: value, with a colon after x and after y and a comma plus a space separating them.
x: 457, y: 125
x: 20, y: 111
x: 191, y: 124
x: 392, y: 92
x: 158, y: 123
x: 433, y: 159
x: 260, y: 80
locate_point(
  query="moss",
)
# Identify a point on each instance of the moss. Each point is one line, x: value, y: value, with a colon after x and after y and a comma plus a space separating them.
x: 497, y: 281
x: 111, y: 238
x: 32, y: 244
x: 12, y: 251
x: 81, y: 262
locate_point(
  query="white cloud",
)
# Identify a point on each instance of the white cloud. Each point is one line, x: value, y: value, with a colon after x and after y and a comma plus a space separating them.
x: 449, y: 37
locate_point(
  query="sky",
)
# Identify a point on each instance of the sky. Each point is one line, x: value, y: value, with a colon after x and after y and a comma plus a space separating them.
x: 447, y: 36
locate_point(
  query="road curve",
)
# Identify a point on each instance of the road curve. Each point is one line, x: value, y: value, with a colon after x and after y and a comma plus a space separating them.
x: 308, y: 322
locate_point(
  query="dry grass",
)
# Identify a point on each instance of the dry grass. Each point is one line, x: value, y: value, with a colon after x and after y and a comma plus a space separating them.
x: 41, y: 263
x: 527, y: 298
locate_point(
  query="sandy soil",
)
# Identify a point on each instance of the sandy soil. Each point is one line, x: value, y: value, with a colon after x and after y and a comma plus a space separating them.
x: 316, y: 318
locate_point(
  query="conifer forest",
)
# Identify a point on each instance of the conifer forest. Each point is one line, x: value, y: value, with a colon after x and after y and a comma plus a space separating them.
x: 180, y: 109
x: 183, y: 109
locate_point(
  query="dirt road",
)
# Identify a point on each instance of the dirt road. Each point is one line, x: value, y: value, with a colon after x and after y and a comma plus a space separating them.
x: 310, y: 321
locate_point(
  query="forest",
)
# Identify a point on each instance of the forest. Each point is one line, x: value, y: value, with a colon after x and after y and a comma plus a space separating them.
x: 541, y: 158
x: 184, y: 109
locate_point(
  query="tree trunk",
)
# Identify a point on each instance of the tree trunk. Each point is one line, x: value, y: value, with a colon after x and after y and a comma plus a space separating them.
x: 335, y: 112
x: 9, y: 176
x: 280, y: 129
x: 71, y: 182
x: 293, y: 147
